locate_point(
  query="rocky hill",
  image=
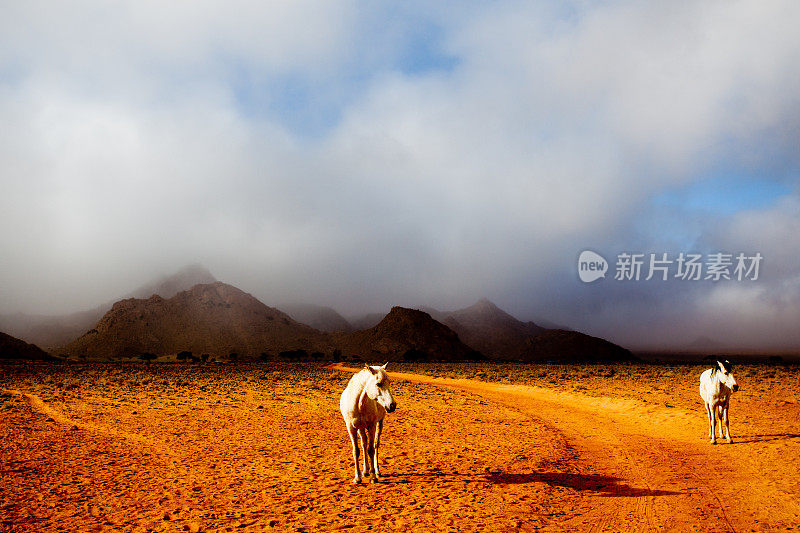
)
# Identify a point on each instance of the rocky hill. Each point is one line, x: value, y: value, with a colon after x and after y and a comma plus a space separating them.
x: 367, y: 321
x: 318, y: 317
x: 168, y: 286
x: 498, y: 335
x: 13, y: 348
x: 405, y: 334
x: 490, y: 330
x: 560, y: 345
x: 215, y: 319
x: 51, y: 331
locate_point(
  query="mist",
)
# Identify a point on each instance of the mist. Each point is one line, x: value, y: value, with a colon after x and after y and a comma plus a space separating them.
x: 362, y: 158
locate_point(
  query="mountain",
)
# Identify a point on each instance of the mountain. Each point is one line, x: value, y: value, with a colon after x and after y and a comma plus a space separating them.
x: 51, y: 330
x: 13, y: 348
x: 215, y: 319
x: 405, y: 334
x: 560, y: 345
x: 318, y: 317
x: 490, y: 330
x: 169, y: 286
x: 547, y: 324
x: 56, y: 330
x: 366, y: 321
x: 498, y: 335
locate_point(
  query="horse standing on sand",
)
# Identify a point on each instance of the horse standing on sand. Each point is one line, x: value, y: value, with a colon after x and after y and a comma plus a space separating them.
x: 364, y: 403
x: 716, y: 386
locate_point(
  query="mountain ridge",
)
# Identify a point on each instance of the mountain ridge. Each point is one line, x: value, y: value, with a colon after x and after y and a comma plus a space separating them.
x: 14, y: 348
x: 499, y: 335
x: 406, y: 334
x: 52, y: 331
x: 216, y: 319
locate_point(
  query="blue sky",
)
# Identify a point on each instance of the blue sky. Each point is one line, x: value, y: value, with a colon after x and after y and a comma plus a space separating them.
x: 363, y: 156
x: 726, y: 193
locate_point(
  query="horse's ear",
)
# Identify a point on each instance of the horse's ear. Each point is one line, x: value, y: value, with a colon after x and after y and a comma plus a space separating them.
x: 384, y: 364
x: 371, y: 370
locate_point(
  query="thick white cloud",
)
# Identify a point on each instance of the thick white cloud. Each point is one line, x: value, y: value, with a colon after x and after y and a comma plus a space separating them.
x: 139, y: 137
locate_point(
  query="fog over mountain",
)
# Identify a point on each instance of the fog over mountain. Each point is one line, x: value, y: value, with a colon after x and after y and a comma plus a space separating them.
x: 51, y: 330
x: 365, y: 156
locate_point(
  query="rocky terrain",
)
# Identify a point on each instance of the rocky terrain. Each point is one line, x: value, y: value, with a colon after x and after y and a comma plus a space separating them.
x: 181, y: 316
x: 498, y: 335
x: 52, y: 331
x: 215, y: 319
x: 405, y: 334
x: 13, y: 348
x: 318, y: 317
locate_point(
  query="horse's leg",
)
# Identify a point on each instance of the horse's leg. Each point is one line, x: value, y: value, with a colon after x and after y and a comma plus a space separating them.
x: 354, y: 441
x: 370, y: 455
x: 727, y: 424
x: 378, y: 429
x: 365, y: 444
x: 353, y: 432
x: 711, y: 429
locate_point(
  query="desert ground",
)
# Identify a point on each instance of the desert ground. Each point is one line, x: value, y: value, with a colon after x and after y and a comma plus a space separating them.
x: 471, y: 447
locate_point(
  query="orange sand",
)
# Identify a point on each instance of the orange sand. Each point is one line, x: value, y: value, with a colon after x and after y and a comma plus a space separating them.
x: 263, y: 447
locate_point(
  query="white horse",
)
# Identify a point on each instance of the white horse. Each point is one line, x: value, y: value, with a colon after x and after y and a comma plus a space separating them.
x: 364, y: 403
x: 716, y: 386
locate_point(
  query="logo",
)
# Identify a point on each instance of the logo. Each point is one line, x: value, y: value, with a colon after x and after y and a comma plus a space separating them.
x: 684, y: 266
x: 591, y: 266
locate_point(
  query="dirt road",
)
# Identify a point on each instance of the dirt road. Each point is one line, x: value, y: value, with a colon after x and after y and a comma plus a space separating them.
x: 645, y: 468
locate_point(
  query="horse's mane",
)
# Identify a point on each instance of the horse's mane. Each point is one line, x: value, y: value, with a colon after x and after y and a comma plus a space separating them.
x: 360, y: 378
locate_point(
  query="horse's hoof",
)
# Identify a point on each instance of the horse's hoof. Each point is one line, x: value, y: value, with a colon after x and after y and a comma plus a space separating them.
x: 356, y: 481
x: 373, y: 480
x: 713, y: 442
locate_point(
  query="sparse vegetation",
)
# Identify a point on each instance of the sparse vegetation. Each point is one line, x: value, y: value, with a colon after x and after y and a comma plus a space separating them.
x: 215, y: 445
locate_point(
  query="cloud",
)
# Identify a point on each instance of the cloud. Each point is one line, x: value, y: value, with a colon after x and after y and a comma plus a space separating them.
x: 364, y: 157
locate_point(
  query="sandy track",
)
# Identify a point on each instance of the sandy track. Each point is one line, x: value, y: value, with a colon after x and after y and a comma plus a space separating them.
x: 261, y: 448
x: 662, y: 473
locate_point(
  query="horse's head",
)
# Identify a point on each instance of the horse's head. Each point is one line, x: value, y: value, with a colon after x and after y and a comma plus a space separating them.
x: 377, y: 387
x: 726, y: 376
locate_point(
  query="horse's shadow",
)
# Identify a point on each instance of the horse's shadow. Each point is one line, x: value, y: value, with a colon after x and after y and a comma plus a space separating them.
x: 745, y: 439
x: 606, y: 486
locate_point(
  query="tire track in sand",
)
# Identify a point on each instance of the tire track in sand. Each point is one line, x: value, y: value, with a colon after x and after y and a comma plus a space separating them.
x: 39, y: 406
x: 668, y: 478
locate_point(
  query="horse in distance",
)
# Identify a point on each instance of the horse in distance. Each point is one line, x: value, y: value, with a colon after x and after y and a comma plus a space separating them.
x: 716, y: 386
x: 364, y: 404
